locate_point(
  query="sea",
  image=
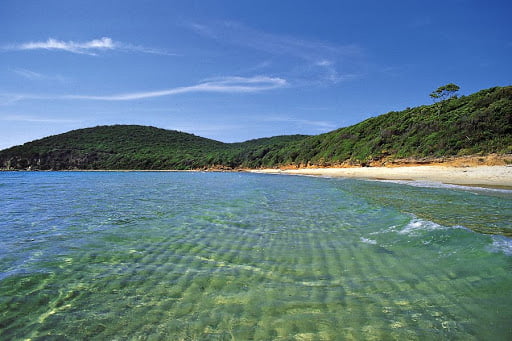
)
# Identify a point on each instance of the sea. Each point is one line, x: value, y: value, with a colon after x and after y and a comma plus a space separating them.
x: 241, y: 256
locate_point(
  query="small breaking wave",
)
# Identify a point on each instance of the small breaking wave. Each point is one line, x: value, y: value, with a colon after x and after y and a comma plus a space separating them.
x: 502, y: 244
x: 441, y: 185
x: 368, y: 241
x: 416, y: 225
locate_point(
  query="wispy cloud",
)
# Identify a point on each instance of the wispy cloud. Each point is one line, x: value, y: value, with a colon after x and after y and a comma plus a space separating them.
x: 220, y: 85
x: 202, y: 29
x: 216, y: 85
x: 88, y: 47
x: 322, y: 125
x: 7, y: 99
x: 28, y: 74
x: 236, y: 33
x: 33, y: 119
x: 91, y: 47
x: 307, y: 59
x: 32, y: 75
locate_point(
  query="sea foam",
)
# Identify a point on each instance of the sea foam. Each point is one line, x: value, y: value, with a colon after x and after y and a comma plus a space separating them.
x: 368, y: 241
x: 416, y: 225
x: 433, y: 184
x: 502, y: 244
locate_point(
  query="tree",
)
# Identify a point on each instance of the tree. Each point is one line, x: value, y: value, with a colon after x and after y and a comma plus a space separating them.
x: 445, y: 92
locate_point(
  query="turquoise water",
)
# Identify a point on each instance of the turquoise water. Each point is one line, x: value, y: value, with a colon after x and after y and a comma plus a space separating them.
x: 228, y: 256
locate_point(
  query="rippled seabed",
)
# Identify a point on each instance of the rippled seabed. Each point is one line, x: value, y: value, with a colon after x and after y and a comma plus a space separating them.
x: 245, y: 256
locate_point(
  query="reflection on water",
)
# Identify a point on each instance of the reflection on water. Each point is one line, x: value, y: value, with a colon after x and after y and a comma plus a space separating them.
x: 245, y: 256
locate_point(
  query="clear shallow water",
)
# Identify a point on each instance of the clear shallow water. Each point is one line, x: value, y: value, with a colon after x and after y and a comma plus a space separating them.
x: 243, y: 256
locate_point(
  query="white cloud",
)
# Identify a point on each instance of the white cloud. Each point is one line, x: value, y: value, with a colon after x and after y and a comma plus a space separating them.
x: 216, y: 85
x: 88, y: 47
x: 220, y: 85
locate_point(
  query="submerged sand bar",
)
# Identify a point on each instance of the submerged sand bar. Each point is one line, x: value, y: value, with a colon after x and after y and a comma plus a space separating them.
x: 499, y: 176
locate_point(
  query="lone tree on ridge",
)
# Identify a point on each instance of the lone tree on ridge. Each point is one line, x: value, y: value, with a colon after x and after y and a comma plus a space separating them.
x: 445, y: 92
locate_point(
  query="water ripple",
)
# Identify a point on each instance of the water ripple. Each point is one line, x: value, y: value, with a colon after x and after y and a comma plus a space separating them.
x: 245, y: 256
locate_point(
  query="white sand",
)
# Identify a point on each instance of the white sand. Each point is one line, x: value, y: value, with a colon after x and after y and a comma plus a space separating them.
x: 474, y: 176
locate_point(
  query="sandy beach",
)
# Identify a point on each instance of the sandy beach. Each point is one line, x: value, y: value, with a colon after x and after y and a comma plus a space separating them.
x: 487, y: 176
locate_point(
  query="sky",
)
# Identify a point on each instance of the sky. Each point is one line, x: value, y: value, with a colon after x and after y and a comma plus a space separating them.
x: 234, y: 70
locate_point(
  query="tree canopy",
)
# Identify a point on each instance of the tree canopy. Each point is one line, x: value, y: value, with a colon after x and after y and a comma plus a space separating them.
x: 445, y: 92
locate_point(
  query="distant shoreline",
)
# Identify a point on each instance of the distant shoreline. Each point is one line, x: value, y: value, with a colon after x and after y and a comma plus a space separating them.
x: 481, y: 176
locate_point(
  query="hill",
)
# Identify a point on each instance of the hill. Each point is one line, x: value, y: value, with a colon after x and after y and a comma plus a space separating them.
x: 477, y: 124
x: 112, y: 147
x: 130, y: 147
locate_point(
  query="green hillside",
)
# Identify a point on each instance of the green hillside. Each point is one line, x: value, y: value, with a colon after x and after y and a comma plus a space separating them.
x: 130, y: 147
x: 477, y: 124
x: 112, y: 147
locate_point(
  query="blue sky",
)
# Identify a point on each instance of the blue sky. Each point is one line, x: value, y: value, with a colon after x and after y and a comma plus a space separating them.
x: 237, y: 70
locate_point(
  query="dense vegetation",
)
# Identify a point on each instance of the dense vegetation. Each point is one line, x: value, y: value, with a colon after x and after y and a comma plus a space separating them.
x: 477, y: 124
x: 131, y: 147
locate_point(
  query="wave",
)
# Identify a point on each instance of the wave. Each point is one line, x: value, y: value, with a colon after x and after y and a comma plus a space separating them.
x: 502, y: 244
x: 433, y: 184
x: 416, y: 225
x: 368, y: 241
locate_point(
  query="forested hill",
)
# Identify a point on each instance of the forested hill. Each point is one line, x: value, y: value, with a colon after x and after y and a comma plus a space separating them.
x: 131, y: 147
x: 480, y: 123
x: 477, y: 124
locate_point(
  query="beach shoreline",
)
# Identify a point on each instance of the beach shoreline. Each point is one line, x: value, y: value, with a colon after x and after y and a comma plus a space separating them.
x: 480, y: 176
x: 490, y: 176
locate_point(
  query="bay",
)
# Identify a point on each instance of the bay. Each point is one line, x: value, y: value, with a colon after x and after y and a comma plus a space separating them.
x: 223, y: 256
